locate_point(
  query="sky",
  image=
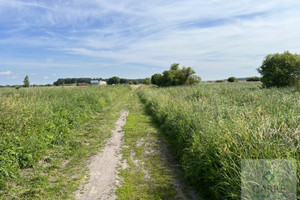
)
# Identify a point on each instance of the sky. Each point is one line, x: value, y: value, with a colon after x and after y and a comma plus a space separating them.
x: 51, y: 39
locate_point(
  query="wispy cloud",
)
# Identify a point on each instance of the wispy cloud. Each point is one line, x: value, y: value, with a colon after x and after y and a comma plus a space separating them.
x: 230, y: 37
x: 5, y: 73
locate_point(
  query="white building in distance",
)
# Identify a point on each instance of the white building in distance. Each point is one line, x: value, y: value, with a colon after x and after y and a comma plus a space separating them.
x: 98, y: 82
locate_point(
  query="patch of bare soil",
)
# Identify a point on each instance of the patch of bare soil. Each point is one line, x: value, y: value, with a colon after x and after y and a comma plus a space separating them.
x: 134, y: 86
x: 103, y: 167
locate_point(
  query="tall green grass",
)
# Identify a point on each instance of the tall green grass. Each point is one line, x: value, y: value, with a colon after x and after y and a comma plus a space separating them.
x: 212, y: 127
x: 36, y: 122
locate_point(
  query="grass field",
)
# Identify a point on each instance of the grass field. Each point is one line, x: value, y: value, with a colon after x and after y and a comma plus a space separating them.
x: 46, y: 134
x: 212, y: 127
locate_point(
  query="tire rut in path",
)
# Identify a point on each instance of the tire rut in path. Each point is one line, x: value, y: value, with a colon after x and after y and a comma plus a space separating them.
x: 103, y: 167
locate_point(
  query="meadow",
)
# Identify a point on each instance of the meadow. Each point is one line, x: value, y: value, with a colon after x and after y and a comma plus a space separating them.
x: 213, y: 126
x: 47, y: 133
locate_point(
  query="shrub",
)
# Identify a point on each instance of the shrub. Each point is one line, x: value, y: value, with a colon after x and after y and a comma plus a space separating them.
x: 193, y: 79
x: 156, y: 79
x: 113, y: 80
x: 253, y: 78
x: 147, y: 81
x: 232, y: 79
x: 280, y: 70
x: 176, y: 76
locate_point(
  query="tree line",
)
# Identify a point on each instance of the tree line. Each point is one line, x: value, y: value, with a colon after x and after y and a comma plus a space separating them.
x: 110, y: 81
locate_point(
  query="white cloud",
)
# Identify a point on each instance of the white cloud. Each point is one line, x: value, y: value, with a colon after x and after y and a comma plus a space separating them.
x: 230, y: 36
x: 45, y: 77
x: 5, y: 73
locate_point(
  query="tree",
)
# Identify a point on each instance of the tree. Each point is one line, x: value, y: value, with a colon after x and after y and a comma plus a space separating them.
x: 253, y: 78
x: 175, y: 76
x: 232, y: 79
x: 147, y: 81
x: 26, y: 81
x: 172, y: 77
x: 187, y: 71
x: 156, y: 79
x: 113, y: 80
x: 62, y: 81
x: 174, y: 66
x: 280, y: 70
x: 123, y: 80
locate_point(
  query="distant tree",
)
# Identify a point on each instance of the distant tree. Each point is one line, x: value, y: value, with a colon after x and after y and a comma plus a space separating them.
x: 232, y: 79
x: 26, y: 81
x: 123, y: 80
x: 17, y: 87
x: 253, y: 78
x: 135, y: 82
x: 168, y: 78
x: 175, y: 76
x: 63, y: 81
x: 113, y: 80
x: 280, y: 70
x: 156, y: 79
x: 147, y: 81
x: 130, y: 82
x: 220, y: 81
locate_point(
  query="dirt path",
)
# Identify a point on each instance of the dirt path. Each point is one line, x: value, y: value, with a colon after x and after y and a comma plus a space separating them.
x: 150, y: 171
x: 103, y: 166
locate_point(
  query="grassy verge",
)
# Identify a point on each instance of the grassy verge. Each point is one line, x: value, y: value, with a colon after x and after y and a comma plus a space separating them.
x: 147, y: 175
x: 47, y: 135
x: 212, y: 127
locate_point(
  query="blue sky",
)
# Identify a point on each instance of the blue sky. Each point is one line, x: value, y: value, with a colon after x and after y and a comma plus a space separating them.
x: 51, y: 39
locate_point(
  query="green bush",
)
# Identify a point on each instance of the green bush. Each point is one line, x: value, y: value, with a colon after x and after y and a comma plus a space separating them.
x: 232, y: 79
x: 280, y: 70
x: 147, y: 81
x: 113, y: 80
x: 253, y: 78
x: 156, y: 79
x: 176, y: 76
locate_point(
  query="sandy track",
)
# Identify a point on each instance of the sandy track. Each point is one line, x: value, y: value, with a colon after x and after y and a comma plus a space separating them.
x: 103, y: 166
